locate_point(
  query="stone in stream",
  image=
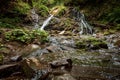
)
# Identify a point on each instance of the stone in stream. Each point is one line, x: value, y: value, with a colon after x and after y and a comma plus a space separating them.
x: 54, y: 49
x: 60, y: 70
x: 67, y: 63
x: 16, y: 58
x: 64, y: 77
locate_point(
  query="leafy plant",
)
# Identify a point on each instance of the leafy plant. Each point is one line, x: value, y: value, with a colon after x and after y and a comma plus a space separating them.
x: 9, y: 22
x: 22, y: 7
x: 41, y: 35
x: 26, y: 36
x: 41, y: 6
x: 114, y: 16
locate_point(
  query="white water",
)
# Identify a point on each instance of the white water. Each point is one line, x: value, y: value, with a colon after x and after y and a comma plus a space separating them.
x: 46, y: 22
x: 85, y: 27
x: 35, y: 18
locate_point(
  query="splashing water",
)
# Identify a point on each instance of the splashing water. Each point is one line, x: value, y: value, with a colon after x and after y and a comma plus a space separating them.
x: 84, y: 26
x: 46, y: 22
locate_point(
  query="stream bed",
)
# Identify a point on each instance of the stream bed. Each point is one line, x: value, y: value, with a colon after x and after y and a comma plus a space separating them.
x: 87, y: 64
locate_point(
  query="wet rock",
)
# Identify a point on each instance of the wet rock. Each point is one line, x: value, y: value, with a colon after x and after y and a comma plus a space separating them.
x: 29, y: 66
x: 64, y: 77
x: 117, y: 43
x: 116, y: 63
x: 69, y: 43
x: 43, y: 74
x: 54, y: 49
x: 91, y: 43
x: 38, y: 52
x: 16, y: 58
x: 34, y: 46
x: 67, y: 63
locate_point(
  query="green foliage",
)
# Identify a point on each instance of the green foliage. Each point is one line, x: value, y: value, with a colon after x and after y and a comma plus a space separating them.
x: 21, y: 7
x: 41, y: 6
x: 26, y: 36
x: 6, y: 25
x: 9, y: 22
x: 41, y: 35
x: 114, y: 15
x: 18, y: 35
x: 92, y: 43
x: 43, y: 10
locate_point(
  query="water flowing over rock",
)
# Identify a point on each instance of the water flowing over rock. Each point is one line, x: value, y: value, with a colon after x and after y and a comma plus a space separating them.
x: 46, y: 22
x: 35, y: 18
x: 84, y: 26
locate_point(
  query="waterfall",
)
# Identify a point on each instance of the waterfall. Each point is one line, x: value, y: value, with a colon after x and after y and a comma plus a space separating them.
x: 46, y: 22
x: 85, y: 28
x: 35, y: 18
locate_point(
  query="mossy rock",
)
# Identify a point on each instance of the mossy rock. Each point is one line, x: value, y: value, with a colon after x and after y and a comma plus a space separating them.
x: 91, y: 43
x: 81, y: 45
x: 98, y: 45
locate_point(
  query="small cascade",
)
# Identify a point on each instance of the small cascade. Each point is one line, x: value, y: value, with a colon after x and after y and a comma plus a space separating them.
x: 35, y: 18
x: 46, y: 22
x: 84, y: 26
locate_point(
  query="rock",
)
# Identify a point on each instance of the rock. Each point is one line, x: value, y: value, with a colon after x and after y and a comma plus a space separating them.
x: 34, y: 46
x: 16, y: 58
x: 98, y: 45
x: 30, y: 66
x: 67, y: 63
x: 117, y: 43
x: 64, y: 77
x: 9, y: 69
x: 54, y: 48
x: 43, y: 75
x: 69, y: 43
x: 91, y: 43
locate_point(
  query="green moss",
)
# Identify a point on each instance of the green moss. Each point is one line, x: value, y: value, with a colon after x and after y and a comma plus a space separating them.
x: 92, y: 43
x: 81, y: 44
x: 110, y: 31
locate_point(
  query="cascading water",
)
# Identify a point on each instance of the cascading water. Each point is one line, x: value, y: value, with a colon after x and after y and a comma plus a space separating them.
x: 35, y: 18
x: 46, y: 22
x: 80, y: 18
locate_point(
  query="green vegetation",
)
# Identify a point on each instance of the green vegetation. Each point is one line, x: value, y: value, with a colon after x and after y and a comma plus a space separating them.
x: 92, y: 43
x: 106, y: 12
x: 6, y: 22
x: 21, y: 7
x: 26, y: 36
